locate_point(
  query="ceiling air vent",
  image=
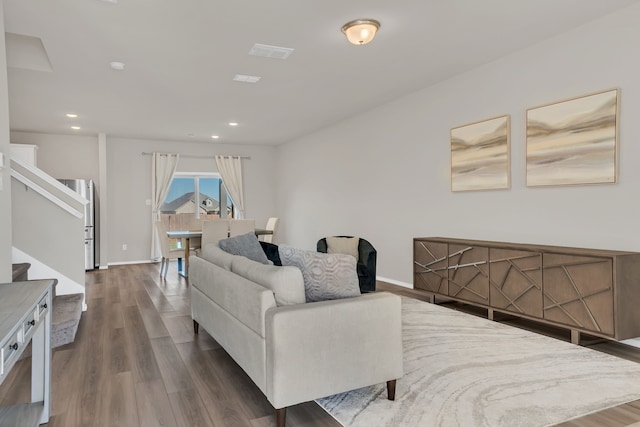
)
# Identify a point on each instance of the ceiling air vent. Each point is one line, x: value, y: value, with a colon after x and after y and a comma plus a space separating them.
x: 246, y: 79
x: 270, y: 51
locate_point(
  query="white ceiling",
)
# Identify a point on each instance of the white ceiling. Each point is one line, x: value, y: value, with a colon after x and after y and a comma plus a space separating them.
x: 181, y: 56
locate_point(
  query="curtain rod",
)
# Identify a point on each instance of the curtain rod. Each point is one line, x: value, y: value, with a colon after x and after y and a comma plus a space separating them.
x: 191, y: 156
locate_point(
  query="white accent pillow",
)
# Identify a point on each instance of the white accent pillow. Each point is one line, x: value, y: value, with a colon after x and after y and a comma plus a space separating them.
x: 343, y: 245
x: 326, y: 276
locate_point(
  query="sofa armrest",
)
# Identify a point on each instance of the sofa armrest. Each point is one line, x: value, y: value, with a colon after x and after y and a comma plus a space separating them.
x: 323, y: 348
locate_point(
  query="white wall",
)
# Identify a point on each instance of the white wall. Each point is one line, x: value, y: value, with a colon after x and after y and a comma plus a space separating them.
x: 48, y: 233
x: 384, y: 175
x: 129, y: 180
x: 129, y: 186
x: 68, y: 157
x: 64, y: 156
x: 5, y: 177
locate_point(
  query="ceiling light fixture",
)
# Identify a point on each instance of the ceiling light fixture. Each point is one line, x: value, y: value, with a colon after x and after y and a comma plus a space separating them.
x: 118, y: 66
x: 215, y: 136
x: 233, y: 124
x: 360, y: 31
x: 71, y: 115
x: 75, y: 127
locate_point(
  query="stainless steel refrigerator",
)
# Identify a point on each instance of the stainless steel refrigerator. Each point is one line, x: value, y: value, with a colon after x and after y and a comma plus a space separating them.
x: 85, y: 188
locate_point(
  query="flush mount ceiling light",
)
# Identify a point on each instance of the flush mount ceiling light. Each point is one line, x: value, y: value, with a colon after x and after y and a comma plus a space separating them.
x: 118, y: 66
x: 361, y: 31
x: 71, y: 115
x: 215, y: 136
x: 75, y: 127
x: 233, y: 123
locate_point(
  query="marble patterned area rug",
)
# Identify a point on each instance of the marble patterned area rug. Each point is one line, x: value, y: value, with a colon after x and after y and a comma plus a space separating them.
x: 463, y: 370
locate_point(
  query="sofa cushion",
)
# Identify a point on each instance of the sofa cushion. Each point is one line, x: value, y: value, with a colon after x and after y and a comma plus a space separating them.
x: 326, y: 276
x: 212, y: 253
x: 343, y: 245
x: 241, y: 298
x: 286, y: 283
x: 246, y: 245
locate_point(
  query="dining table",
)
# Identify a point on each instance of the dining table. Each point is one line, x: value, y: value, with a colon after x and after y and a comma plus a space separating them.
x: 187, y: 235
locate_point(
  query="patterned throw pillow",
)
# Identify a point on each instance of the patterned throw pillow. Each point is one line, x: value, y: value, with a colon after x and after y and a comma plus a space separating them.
x: 326, y: 276
x: 246, y: 245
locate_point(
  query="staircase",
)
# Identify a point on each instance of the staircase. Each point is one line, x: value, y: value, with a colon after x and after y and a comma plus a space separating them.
x: 65, y: 315
x: 65, y: 318
x: 54, y: 248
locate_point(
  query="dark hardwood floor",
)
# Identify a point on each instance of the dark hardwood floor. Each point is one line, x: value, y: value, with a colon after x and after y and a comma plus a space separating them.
x: 136, y: 362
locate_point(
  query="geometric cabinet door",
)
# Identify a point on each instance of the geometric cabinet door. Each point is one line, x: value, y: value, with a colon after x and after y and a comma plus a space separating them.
x: 430, y: 266
x: 469, y: 272
x: 578, y: 291
x: 516, y: 281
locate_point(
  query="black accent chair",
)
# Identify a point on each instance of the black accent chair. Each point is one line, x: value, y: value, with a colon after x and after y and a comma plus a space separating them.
x: 366, y: 266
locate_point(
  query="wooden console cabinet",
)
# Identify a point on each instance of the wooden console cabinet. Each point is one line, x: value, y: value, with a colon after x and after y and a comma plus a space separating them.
x: 584, y: 290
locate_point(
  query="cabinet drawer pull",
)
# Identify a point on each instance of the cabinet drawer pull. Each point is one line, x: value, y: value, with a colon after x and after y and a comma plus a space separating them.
x: 44, y: 305
x: 32, y: 322
x: 14, y: 346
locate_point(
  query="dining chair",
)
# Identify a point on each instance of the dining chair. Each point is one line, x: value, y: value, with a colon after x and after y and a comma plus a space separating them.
x: 272, y: 225
x: 195, y: 224
x: 166, y: 251
x: 241, y: 226
x: 214, y: 230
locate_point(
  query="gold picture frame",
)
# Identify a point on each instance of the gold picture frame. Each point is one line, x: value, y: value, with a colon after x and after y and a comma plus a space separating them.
x: 480, y: 155
x: 574, y: 142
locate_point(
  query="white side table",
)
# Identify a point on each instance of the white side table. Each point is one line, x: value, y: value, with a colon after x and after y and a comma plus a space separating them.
x: 25, y: 314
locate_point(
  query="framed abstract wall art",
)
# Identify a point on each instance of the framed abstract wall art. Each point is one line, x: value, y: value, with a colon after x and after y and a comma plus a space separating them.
x: 574, y: 141
x: 480, y: 155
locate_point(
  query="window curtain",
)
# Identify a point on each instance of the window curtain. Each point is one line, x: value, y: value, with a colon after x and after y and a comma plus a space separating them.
x: 230, y: 169
x: 163, y: 166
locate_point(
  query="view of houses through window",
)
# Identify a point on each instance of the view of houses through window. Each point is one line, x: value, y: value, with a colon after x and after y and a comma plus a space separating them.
x: 193, y: 198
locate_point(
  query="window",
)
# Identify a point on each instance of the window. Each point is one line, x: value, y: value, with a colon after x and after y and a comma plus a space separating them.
x: 195, y: 197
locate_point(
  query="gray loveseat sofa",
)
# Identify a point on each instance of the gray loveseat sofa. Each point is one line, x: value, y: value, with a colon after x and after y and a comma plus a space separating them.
x: 294, y: 351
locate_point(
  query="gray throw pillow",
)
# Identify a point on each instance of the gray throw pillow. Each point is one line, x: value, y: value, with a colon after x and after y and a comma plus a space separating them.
x: 246, y: 245
x: 326, y: 276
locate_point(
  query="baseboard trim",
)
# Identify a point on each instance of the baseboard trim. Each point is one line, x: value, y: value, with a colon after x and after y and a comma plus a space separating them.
x: 395, y: 282
x: 146, y: 261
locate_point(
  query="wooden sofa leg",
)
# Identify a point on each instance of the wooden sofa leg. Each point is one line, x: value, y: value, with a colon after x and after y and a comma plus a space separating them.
x: 281, y: 415
x: 391, y: 390
x: 196, y: 327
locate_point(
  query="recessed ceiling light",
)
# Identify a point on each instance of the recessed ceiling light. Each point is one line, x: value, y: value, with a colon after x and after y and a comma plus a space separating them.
x: 71, y: 115
x: 215, y: 136
x: 118, y: 66
x: 233, y: 124
x: 75, y: 127
x: 110, y: 1
x: 246, y: 79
